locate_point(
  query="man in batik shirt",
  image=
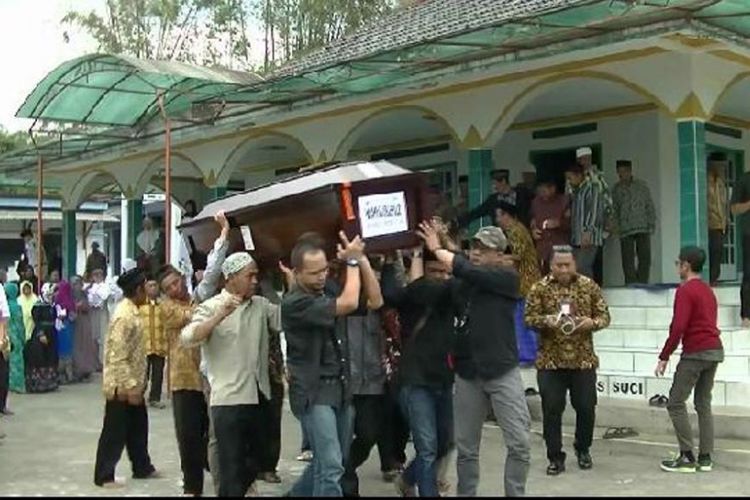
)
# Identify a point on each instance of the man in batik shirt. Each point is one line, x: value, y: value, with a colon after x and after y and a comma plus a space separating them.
x: 566, y: 358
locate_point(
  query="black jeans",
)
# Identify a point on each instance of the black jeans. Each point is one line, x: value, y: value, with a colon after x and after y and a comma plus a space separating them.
x: 272, y: 429
x: 745, y: 290
x: 125, y: 426
x: 191, y: 426
x: 369, y: 420
x: 631, y: 246
x: 392, y: 447
x: 4, y: 381
x: 715, y: 252
x: 553, y: 387
x: 155, y: 372
x: 239, y: 435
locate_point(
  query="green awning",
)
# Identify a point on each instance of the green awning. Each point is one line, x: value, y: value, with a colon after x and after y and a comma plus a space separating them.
x: 97, y: 102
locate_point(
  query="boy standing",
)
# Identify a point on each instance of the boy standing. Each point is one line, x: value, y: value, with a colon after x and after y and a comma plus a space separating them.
x: 693, y: 323
x: 155, y: 342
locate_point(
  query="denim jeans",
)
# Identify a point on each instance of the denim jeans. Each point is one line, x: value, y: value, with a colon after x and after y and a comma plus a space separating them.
x: 330, y: 432
x: 430, y: 414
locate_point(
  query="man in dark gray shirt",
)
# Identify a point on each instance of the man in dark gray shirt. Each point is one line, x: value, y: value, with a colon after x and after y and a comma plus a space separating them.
x: 317, y: 360
x: 740, y: 207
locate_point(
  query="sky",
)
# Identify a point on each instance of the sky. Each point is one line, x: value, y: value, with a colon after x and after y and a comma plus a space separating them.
x: 31, y: 45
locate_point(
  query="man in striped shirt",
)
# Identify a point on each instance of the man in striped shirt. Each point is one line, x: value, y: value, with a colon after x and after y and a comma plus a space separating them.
x: 588, y: 209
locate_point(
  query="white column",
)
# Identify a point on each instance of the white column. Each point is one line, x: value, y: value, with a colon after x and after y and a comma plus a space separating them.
x: 123, y: 233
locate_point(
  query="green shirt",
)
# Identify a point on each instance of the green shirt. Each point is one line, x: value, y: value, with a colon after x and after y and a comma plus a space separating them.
x: 633, y: 208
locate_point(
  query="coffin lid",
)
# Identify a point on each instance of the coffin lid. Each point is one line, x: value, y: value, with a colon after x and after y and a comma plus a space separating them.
x: 305, y: 182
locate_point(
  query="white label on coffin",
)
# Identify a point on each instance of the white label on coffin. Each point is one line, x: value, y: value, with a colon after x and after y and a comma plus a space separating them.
x: 247, y: 237
x: 381, y: 214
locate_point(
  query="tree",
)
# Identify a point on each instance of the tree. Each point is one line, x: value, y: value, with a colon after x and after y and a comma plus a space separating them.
x: 206, y: 32
x: 10, y: 141
x: 295, y: 27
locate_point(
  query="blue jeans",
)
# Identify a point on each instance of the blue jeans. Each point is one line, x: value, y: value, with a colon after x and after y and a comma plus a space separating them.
x: 430, y: 414
x: 330, y: 433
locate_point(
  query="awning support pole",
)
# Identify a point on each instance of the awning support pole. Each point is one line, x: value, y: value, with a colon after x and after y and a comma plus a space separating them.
x: 167, y: 202
x: 39, y: 221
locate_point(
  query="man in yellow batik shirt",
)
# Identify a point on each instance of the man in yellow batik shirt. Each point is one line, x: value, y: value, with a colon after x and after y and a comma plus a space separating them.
x: 186, y: 382
x: 154, y: 341
x: 718, y: 218
x: 526, y: 262
x: 566, y: 307
x: 125, y: 417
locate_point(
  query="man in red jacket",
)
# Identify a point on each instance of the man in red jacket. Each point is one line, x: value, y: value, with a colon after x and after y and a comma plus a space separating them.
x: 693, y: 323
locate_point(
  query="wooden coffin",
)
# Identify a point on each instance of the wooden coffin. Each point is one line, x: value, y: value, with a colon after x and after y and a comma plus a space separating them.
x: 380, y: 201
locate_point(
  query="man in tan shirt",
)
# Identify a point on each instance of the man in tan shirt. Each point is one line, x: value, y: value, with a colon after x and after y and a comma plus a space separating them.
x: 717, y: 213
x: 125, y: 417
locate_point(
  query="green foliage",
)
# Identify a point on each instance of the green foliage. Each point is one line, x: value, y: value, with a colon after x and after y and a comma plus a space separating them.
x: 217, y: 32
x: 10, y: 141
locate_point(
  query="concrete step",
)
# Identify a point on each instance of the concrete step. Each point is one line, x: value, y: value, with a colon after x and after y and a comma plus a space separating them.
x: 736, y: 364
x: 725, y: 295
x: 655, y: 317
x: 732, y: 423
x: 640, y: 386
x: 734, y: 339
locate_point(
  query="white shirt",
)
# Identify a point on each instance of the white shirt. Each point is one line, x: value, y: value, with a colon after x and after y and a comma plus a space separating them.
x: 147, y: 239
x: 4, y: 309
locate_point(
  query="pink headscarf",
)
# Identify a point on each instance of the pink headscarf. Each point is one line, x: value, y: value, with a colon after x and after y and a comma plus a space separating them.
x: 64, y: 296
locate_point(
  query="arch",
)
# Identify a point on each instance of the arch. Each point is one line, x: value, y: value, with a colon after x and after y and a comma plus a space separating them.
x: 86, y: 185
x: 345, y: 144
x: 230, y: 164
x: 729, y: 86
x: 153, y: 166
x: 517, y: 104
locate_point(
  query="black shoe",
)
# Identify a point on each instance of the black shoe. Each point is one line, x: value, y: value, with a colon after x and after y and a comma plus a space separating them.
x: 555, y: 468
x: 680, y: 463
x: 584, y: 460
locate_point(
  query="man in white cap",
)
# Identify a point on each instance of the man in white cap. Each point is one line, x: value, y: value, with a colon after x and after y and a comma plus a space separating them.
x: 234, y: 329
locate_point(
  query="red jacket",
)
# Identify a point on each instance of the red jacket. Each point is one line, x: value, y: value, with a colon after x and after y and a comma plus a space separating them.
x: 694, y: 320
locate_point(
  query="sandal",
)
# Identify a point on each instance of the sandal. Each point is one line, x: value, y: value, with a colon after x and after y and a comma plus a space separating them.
x: 531, y: 392
x: 654, y: 400
x: 663, y: 400
x: 619, y: 433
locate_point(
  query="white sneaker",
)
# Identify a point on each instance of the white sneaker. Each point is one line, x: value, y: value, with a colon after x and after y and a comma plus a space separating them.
x: 305, y: 456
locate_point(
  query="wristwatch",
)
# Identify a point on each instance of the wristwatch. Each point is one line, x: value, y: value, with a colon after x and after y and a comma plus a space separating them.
x: 352, y: 262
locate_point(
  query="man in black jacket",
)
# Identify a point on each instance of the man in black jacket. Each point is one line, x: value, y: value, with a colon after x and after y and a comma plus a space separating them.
x: 486, y: 358
x: 426, y: 311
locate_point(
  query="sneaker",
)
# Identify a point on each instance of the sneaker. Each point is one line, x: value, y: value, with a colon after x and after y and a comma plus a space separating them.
x: 705, y: 464
x: 584, y: 460
x: 680, y: 463
x: 305, y: 456
x: 555, y: 468
x: 403, y: 488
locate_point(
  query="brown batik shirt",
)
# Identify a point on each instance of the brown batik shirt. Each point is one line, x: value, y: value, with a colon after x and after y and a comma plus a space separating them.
x: 558, y: 351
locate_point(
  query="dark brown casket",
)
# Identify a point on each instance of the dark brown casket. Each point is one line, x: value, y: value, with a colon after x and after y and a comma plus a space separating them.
x: 380, y: 201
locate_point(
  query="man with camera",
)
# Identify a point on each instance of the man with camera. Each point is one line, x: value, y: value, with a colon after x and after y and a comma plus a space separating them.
x: 566, y: 308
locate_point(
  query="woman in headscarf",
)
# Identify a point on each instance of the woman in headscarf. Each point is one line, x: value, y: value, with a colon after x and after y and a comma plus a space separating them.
x: 65, y: 310
x: 40, y: 353
x: 99, y: 292
x: 17, y: 335
x: 85, y: 349
x: 27, y: 300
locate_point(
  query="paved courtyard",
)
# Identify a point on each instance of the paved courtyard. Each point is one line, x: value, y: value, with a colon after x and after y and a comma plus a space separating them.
x: 51, y: 442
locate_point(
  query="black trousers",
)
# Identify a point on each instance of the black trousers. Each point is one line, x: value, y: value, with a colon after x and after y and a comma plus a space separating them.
x: 392, y: 447
x: 370, y: 428
x: 715, y: 252
x: 745, y: 289
x: 191, y: 426
x: 599, y: 265
x: 239, y: 437
x: 272, y: 429
x: 553, y: 387
x: 125, y: 426
x: 155, y: 372
x: 4, y: 381
x: 637, y: 245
